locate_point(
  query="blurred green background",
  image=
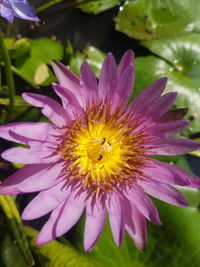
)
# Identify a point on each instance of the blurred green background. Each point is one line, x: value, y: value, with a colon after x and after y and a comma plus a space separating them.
x: 165, y: 36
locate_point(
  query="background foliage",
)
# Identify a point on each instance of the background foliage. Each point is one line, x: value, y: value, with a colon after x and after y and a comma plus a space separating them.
x: 165, y: 36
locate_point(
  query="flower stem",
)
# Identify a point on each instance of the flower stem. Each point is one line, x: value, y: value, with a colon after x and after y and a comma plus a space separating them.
x: 8, y: 75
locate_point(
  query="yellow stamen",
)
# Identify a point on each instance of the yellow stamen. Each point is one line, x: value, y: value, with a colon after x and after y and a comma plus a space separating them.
x: 103, y: 151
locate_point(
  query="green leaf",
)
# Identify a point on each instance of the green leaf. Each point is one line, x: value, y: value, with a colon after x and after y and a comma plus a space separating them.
x: 149, y: 19
x: 150, y: 68
x: 46, y: 50
x: 175, y: 243
x: 10, y: 253
x: 75, y: 62
x: 96, y: 6
x: 43, y: 50
x: 15, y: 225
x: 20, y: 47
x: 55, y: 254
x: 93, y: 56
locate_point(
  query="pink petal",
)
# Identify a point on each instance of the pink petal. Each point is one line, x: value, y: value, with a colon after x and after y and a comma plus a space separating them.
x: 32, y: 178
x: 136, y: 227
x: 125, y: 76
x: 46, y: 201
x: 143, y: 203
x: 164, y: 192
x: 63, y: 218
x: 168, y: 128
x: 116, y: 218
x: 88, y: 82
x: 108, y: 77
x: 43, y: 154
x: 149, y: 95
x: 173, y: 146
x: 50, y: 108
x: 70, y: 102
x: 67, y: 78
x: 48, y: 231
x: 27, y: 131
x: 165, y: 173
x: 94, y: 223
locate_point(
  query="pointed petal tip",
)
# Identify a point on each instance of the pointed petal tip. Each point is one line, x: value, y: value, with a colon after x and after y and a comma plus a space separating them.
x: 129, y: 53
x: 88, y: 248
x: 9, y: 190
x: 141, y: 245
x: 26, y: 215
x: 162, y: 82
x: 39, y: 242
x: 42, y: 239
x: 55, y: 63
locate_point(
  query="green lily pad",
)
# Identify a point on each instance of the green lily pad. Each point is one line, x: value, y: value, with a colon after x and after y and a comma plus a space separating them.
x: 96, y: 6
x: 175, y: 243
x: 93, y: 56
x: 42, y: 51
x: 20, y: 47
x: 56, y: 254
x: 149, y: 19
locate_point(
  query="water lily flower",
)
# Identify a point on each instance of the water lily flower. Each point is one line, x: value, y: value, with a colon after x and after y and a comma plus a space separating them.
x: 96, y: 154
x: 17, y: 8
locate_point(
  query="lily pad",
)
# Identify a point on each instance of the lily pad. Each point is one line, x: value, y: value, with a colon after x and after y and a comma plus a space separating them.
x: 96, y: 6
x: 42, y: 51
x: 175, y: 243
x: 55, y: 254
x: 149, y: 19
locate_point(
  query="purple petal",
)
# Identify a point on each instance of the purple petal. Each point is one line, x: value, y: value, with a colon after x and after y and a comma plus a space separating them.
x: 32, y: 178
x: 42, y: 154
x: 164, y: 192
x: 70, y: 102
x: 125, y: 76
x: 173, y: 146
x: 108, y: 77
x: 149, y: 95
x: 6, y: 11
x: 50, y: 108
x: 27, y: 131
x: 161, y: 106
x: 173, y: 115
x: 170, y: 174
x: 48, y: 231
x: 136, y: 227
x: 94, y: 223
x: 24, y: 11
x: 88, y: 82
x: 68, y: 79
x: 165, y: 173
x: 63, y: 218
x: 143, y: 203
x: 116, y: 218
x: 46, y: 201
x: 168, y: 128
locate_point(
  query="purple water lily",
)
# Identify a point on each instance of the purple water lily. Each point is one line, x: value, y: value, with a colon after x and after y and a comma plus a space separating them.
x: 95, y: 156
x: 17, y: 8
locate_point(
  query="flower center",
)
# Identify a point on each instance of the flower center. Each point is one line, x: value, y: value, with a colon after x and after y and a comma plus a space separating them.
x: 103, y: 151
x: 99, y: 150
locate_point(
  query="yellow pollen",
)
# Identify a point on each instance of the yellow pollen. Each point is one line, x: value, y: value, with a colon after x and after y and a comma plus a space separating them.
x: 102, y: 152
